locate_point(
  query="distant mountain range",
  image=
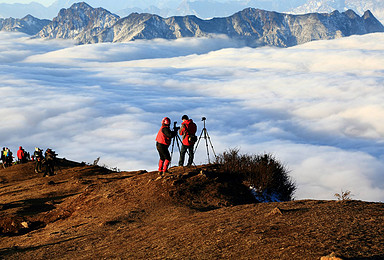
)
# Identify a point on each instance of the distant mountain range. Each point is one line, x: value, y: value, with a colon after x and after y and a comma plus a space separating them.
x: 255, y: 27
x: 204, y: 9
x: 359, y: 6
x: 29, y: 24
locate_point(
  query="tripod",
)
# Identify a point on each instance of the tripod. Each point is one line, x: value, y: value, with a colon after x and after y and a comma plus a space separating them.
x: 176, y: 139
x: 207, y: 138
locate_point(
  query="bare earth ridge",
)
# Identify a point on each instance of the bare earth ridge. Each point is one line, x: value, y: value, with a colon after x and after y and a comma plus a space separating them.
x: 89, y: 212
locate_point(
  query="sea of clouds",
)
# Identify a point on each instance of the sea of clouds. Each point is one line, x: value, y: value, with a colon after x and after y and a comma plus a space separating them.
x: 318, y: 108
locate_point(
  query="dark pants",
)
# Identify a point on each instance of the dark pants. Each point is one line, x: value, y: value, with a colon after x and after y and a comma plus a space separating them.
x: 184, y: 149
x: 163, y: 151
x: 49, y: 168
x: 38, y: 165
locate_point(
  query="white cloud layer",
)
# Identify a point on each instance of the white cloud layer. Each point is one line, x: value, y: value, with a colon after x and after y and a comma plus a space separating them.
x: 317, y: 107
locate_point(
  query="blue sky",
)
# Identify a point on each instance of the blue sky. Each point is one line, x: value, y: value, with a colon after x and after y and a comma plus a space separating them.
x: 43, y: 2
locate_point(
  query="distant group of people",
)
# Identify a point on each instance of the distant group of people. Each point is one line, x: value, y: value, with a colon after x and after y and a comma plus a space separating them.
x: 48, y: 160
x: 40, y: 159
x: 164, y: 138
x: 7, y: 156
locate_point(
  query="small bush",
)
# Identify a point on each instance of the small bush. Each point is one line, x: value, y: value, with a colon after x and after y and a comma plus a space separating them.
x: 264, y: 173
x: 344, y: 195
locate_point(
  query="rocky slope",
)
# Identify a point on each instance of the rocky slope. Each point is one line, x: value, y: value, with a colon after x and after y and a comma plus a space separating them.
x: 89, y: 212
x: 81, y: 22
x: 312, y: 6
x: 255, y: 27
x: 201, y: 8
x: 29, y: 24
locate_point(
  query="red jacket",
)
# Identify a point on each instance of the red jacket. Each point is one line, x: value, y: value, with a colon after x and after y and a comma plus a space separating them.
x: 20, y: 153
x: 164, y: 136
x: 188, y: 128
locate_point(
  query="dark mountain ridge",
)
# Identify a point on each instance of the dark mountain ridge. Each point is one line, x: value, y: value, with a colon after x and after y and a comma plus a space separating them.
x: 28, y: 24
x: 255, y: 27
x: 80, y: 22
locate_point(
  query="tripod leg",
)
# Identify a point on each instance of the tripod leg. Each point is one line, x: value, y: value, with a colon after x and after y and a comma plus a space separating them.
x: 177, y: 140
x: 206, y: 144
x: 173, y: 144
x: 178, y: 146
x: 198, y: 140
x: 213, y: 150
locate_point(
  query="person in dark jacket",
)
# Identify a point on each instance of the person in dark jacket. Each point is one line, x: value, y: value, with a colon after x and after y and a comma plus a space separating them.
x: 3, y: 155
x: 38, y: 155
x: 49, y: 162
x: 163, y: 140
x: 8, y: 157
x: 188, y: 132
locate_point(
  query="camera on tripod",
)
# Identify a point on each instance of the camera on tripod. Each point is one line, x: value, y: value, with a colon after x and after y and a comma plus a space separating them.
x: 204, y: 134
x: 175, y: 128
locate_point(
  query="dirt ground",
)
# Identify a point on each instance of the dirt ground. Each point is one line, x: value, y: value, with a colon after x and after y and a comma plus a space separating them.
x: 89, y: 212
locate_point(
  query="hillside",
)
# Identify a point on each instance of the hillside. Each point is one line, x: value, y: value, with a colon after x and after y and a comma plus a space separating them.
x: 89, y: 212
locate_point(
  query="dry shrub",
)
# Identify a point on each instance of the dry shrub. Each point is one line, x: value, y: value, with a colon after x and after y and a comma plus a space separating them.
x: 344, y: 195
x: 264, y: 173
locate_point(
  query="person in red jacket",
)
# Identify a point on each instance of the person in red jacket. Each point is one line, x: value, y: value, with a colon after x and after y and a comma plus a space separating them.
x: 21, y: 155
x: 163, y: 140
x: 188, y: 131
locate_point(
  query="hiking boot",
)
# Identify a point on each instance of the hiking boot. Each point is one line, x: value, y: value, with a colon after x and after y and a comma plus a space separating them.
x: 165, y: 166
x: 161, y: 166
